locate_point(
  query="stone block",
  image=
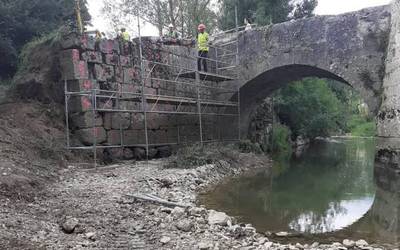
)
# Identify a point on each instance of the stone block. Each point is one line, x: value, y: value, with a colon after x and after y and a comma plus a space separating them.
x: 114, y: 154
x: 113, y: 137
x: 121, y: 120
x: 98, y: 73
x: 131, y: 75
x: 128, y: 154
x: 108, y: 104
x: 75, y: 41
x: 139, y: 153
x: 107, y: 120
x: 85, y: 120
x: 88, y: 135
x: 137, y: 121
x: 164, y: 152
x: 92, y: 56
x: 152, y: 153
x: 157, y: 136
x: 150, y: 91
x: 131, y: 91
x: 82, y: 85
x: 74, y: 70
x: 109, y: 72
x: 130, y: 105
x: 125, y: 61
x: 133, y: 137
x: 80, y: 104
x: 111, y: 59
x: 119, y: 74
x: 108, y: 46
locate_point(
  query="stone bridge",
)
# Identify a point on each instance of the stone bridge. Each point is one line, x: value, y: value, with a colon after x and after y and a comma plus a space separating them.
x: 357, y: 48
x: 349, y: 48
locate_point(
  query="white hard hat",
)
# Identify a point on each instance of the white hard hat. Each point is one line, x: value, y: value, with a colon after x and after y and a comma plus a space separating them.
x: 170, y: 25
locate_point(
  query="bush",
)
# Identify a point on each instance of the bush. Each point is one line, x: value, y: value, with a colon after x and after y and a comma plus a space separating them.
x: 280, y: 139
x: 247, y: 146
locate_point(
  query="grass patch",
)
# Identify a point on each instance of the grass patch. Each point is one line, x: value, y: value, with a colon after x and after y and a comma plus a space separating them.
x: 367, y: 129
x: 360, y: 126
x: 47, y: 40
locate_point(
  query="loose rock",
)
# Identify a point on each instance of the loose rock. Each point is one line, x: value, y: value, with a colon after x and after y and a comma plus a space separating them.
x: 164, y: 240
x: 69, y: 225
x: 184, y: 225
x: 218, y: 218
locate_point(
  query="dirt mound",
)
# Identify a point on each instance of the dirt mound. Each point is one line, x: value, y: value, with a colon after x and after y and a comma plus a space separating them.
x: 31, y: 147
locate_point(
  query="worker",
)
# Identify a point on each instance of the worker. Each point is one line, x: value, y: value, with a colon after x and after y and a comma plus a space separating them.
x: 202, y: 46
x: 172, y: 32
x: 98, y: 37
x: 125, y: 44
x: 125, y: 35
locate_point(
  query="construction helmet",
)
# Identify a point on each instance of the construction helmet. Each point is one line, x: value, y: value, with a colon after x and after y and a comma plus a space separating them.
x: 170, y: 25
x: 201, y: 27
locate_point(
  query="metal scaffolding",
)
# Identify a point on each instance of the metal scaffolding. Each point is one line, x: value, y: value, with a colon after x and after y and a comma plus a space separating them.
x: 226, y: 102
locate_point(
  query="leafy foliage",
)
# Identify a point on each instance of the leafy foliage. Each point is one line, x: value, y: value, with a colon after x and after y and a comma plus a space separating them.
x: 310, y: 108
x: 263, y: 12
x: 183, y: 15
x: 22, y: 20
x: 280, y: 139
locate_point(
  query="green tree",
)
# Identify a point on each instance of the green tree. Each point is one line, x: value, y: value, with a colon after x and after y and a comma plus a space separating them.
x: 263, y: 12
x: 310, y: 108
x: 184, y: 15
x: 23, y: 20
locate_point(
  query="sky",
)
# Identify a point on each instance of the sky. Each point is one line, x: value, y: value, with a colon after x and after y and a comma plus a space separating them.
x: 325, y: 7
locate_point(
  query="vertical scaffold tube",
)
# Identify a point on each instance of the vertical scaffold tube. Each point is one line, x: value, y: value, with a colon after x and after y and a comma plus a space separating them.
x: 144, y: 101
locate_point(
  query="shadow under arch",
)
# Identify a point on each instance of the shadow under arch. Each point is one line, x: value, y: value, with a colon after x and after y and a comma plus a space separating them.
x: 257, y: 89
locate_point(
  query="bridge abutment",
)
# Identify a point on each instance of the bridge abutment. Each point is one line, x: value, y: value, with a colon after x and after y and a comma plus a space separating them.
x: 388, y: 119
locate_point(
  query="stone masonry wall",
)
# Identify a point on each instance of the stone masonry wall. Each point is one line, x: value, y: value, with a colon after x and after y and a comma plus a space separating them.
x: 109, y: 65
x: 389, y: 114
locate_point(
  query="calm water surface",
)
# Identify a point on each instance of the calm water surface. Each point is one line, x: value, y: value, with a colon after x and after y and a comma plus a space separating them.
x: 328, y: 190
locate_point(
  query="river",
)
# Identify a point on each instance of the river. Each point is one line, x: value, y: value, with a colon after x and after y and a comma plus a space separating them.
x: 327, y: 193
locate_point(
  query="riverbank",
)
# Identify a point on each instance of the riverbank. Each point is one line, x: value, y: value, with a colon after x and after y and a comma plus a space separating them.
x: 94, y: 209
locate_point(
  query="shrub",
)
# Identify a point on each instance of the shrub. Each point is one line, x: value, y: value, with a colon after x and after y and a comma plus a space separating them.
x: 280, y: 139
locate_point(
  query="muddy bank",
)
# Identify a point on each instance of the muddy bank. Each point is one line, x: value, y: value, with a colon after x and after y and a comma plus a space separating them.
x: 94, y: 209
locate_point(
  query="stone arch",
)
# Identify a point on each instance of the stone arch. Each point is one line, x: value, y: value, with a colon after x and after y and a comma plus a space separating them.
x: 263, y: 85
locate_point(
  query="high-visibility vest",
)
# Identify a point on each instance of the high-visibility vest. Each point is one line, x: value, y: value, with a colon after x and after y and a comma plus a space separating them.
x: 125, y: 36
x: 202, y: 41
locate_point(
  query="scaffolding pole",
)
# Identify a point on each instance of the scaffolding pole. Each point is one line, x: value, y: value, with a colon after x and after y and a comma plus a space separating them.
x: 144, y: 101
x: 94, y: 105
x: 66, y: 113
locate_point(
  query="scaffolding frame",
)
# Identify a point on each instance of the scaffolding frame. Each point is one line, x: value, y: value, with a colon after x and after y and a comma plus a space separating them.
x: 153, y: 100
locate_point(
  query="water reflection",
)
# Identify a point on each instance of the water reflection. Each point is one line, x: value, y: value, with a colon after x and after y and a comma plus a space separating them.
x: 328, y: 188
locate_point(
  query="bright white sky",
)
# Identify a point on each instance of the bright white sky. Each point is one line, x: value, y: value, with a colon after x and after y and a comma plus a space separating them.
x: 325, y: 7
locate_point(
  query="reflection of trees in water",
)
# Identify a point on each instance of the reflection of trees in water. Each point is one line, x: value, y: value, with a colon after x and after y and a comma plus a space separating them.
x: 307, y: 190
